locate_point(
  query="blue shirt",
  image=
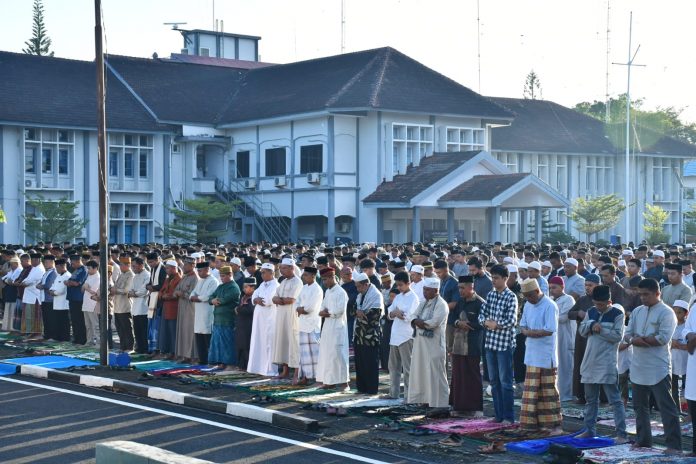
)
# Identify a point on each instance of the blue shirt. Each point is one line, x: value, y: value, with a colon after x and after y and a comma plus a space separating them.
x: 47, y: 281
x: 449, y: 291
x: 543, y: 351
x: 78, y: 275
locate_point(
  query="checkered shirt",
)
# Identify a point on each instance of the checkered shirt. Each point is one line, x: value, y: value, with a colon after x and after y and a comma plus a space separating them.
x: 502, y: 308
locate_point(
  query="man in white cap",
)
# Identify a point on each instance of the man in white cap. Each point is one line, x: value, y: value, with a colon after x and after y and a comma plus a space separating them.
x: 332, y: 368
x: 546, y: 268
x: 309, y: 326
x: 264, y: 324
x: 417, y: 282
x: 367, y: 334
x: 541, y: 405
x: 428, y: 379
x: 657, y: 270
x: 286, y: 351
x: 574, y: 282
x: 534, y: 272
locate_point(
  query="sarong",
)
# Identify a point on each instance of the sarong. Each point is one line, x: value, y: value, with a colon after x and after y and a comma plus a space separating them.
x: 31, y: 322
x: 222, y: 346
x: 466, y: 393
x: 153, y: 326
x: 309, y: 354
x: 541, y: 404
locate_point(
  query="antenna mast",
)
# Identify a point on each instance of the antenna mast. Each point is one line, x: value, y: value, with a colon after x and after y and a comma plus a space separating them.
x: 478, y: 41
x: 343, y: 26
x: 607, y: 101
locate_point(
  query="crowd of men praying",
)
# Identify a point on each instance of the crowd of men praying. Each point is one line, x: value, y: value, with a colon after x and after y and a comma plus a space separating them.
x: 576, y: 323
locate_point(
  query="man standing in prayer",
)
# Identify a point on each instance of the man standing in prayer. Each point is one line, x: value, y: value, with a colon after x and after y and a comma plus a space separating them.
x: 89, y: 305
x: 138, y: 295
x: 61, y: 307
x: 677, y: 289
x: 499, y: 317
x: 567, y: 329
x: 264, y: 324
x: 309, y: 326
x: 574, y: 282
x: 75, y: 295
x: 287, y: 345
x: 32, y: 321
x: 154, y: 314
x: 541, y: 405
x: 428, y: 381
x: 578, y: 313
x: 417, y: 282
x: 44, y: 286
x: 603, y: 327
x: 370, y: 306
x: 122, y: 304
x: 401, y: 312
x: 186, y: 313
x: 225, y: 300
x: 243, y: 322
x: 466, y: 393
x: 332, y: 368
x: 649, y: 331
x: 203, y: 311
x: 170, y: 308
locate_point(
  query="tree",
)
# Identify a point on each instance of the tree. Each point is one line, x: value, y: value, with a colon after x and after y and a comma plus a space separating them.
x: 3, y: 218
x: 655, y: 218
x: 532, y: 86
x: 53, y: 221
x: 648, y: 126
x: 690, y: 222
x: 201, y: 220
x: 596, y: 214
x: 39, y: 43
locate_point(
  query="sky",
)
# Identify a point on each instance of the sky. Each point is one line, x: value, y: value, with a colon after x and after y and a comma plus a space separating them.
x: 563, y: 41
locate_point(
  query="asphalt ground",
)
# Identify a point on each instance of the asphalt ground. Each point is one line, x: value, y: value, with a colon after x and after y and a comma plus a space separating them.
x: 40, y: 425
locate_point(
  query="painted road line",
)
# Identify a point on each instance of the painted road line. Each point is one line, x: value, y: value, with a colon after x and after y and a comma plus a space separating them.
x: 186, y: 417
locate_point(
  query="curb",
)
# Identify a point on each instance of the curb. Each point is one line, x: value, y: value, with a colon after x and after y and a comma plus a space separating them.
x: 240, y: 410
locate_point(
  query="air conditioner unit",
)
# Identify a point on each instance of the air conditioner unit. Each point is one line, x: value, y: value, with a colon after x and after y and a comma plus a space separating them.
x: 204, y: 51
x: 250, y: 184
x: 184, y: 51
x: 280, y: 181
x: 29, y: 183
x: 314, y: 178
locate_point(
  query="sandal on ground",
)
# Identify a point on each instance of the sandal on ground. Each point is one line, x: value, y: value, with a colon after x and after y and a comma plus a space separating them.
x: 392, y: 426
x: 331, y: 411
x: 452, y: 440
x: 496, y: 447
x: 419, y: 432
x: 341, y: 412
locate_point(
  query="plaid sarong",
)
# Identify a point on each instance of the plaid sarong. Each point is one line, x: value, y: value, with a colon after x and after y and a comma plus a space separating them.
x: 541, y: 404
x: 31, y: 321
x: 309, y: 354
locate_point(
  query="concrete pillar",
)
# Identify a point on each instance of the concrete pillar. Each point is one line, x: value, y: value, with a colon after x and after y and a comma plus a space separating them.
x: 416, y: 224
x: 293, y: 229
x: 450, y: 225
x: 380, y: 225
x: 523, y: 225
x: 494, y: 222
x: 330, y: 171
x: 538, y: 215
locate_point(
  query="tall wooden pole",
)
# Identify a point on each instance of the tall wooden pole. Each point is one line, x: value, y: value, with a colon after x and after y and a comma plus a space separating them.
x: 101, y: 163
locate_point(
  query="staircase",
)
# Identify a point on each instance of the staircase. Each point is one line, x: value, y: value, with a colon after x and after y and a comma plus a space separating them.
x: 267, y: 220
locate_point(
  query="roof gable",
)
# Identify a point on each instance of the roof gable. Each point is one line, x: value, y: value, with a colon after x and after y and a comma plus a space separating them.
x: 61, y: 92
x: 483, y: 187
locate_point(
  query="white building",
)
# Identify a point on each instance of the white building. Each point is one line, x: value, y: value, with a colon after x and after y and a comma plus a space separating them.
x: 310, y: 148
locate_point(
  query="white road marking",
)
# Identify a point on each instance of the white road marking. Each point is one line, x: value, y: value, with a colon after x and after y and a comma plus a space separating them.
x: 268, y: 436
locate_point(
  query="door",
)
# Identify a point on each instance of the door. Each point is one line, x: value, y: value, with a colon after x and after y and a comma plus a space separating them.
x: 128, y: 234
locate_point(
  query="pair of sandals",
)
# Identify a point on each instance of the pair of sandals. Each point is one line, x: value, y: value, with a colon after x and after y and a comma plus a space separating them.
x: 262, y: 399
x: 339, y: 412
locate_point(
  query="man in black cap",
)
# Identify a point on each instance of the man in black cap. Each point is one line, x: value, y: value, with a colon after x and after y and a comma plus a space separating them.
x: 75, y: 296
x: 47, y: 299
x: 466, y: 392
x: 677, y: 289
x: 243, y: 322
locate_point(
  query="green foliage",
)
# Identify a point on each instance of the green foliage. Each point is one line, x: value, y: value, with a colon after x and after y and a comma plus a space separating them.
x: 201, y: 220
x: 647, y: 126
x: 39, y: 43
x: 655, y: 218
x: 3, y: 218
x: 560, y: 236
x: 53, y: 221
x: 596, y: 214
x: 550, y: 231
x: 532, y: 86
x: 690, y: 222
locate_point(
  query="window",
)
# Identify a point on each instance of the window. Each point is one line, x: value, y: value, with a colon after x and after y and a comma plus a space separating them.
x: 113, y: 164
x: 128, y: 164
x: 46, y: 161
x: 275, y: 162
x: 113, y: 233
x: 63, y: 161
x: 129, y: 139
x: 143, y: 211
x: 142, y: 167
x: 144, y: 141
x: 311, y: 158
x: 29, y: 134
x: 243, y: 164
x: 63, y: 136
x: 29, y: 164
x: 143, y: 233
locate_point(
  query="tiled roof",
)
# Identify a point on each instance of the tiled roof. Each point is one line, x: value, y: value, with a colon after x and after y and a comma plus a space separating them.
x: 179, y: 92
x: 431, y: 169
x: 60, y: 92
x: 484, y: 187
x: 382, y: 79
x: 547, y: 127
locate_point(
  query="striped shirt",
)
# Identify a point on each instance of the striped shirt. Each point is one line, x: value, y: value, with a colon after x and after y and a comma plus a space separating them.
x: 500, y: 307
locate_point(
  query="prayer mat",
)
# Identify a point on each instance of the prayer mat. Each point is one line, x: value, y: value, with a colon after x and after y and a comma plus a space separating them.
x: 514, y: 434
x: 656, y: 427
x: 369, y: 402
x: 51, y: 362
x: 4, y: 336
x: 656, y: 460
x: 620, y: 453
x: 468, y: 426
x: 535, y: 447
x: 578, y: 412
x: 8, y: 369
x: 323, y: 398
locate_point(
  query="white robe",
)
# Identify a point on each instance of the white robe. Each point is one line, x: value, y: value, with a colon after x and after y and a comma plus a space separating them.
x: 428, y: 379
x: 332, y: 368
x: 566, y: 347
x: 286, y: 349
x: 263, y: 331
x: 203, y: 310
x: 310, y: 298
